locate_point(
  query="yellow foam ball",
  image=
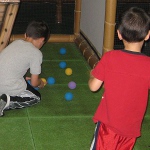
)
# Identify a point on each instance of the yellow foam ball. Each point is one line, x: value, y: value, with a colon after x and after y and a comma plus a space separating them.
x: 44, y: 80
x: 68, y: 71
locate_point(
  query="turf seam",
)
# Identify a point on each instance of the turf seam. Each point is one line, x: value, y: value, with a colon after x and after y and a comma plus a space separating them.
x: 31, y: 132
x: 29, y: 117
x: 60, y: 117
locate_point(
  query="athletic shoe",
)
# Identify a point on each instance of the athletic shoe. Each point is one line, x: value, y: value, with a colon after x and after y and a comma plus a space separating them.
x: 4, y: 102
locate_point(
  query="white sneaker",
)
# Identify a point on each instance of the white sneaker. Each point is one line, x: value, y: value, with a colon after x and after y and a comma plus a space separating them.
x: 4, y: 102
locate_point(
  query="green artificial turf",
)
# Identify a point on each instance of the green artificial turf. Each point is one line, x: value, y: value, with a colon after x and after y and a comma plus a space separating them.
x: 54, y: 123
x: 143, y: 142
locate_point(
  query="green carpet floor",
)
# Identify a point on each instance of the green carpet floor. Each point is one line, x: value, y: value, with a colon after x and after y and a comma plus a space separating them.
x: 54, y: 123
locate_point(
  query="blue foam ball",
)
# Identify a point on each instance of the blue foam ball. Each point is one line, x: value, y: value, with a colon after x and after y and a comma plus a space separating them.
x: 62, y: 64
x: 68, y: 96
x: 62, y: 51
x: 36, y: 88
x: 51, y: 80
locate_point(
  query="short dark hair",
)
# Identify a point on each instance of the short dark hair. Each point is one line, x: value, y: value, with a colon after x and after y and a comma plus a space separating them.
x: 38, y: 29
x: 134, y: 24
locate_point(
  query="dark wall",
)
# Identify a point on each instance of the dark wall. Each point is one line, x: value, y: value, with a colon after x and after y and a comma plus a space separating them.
x: 37, y: 10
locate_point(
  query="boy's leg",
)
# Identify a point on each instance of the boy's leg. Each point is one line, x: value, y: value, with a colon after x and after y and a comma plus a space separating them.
x: 107, y: 139
x: 27, y: 98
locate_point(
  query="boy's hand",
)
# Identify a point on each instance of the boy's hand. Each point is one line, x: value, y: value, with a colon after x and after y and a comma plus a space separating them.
x: 28, y: 78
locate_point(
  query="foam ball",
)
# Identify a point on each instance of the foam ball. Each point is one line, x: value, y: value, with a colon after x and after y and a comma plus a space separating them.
x: 62, y: 64
x: 36, y: 88
x: 72, y: 85
x: 44, y: 80
x: 68, y: 96
x: 68, y: 71
x: 62, y: 51
x: 51, y: 80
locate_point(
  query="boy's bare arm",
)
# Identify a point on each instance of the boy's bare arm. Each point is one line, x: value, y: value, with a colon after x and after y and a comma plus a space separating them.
x: 36, y: 81
x: 94, y: 83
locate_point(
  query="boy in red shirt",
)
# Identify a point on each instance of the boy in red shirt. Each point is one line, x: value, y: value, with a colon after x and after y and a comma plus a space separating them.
x: 126, y: 77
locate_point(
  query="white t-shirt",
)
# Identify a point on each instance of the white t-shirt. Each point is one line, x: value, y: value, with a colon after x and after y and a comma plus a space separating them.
x: 15, y: 60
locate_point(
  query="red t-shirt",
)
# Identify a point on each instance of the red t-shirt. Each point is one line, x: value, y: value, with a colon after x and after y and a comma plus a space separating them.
x: 126, y: 77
